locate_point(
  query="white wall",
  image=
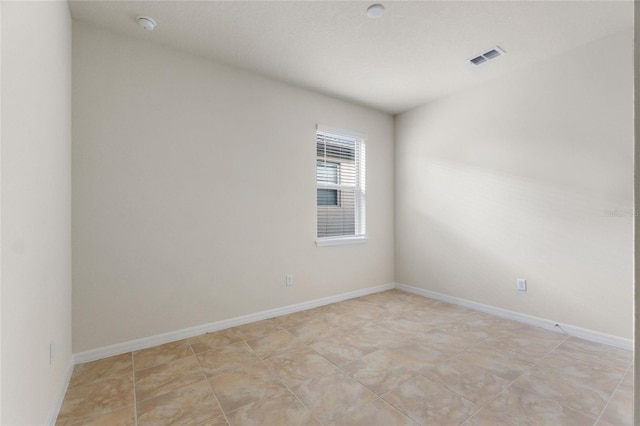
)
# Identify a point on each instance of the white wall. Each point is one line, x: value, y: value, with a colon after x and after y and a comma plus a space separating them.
x: 35, y: 207
x: 194, y: 192
x: 512, y: 180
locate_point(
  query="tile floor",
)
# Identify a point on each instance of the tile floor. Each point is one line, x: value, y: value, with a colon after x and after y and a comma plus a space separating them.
x: 391, y: 358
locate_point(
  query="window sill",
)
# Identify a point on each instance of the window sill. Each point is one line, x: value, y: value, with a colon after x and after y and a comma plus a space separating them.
x: 338, y: 241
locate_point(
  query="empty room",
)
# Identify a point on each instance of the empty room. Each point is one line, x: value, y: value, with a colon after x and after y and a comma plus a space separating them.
x: 317, y: 212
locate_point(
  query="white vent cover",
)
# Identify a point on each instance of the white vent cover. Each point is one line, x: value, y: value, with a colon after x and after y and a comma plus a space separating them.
x: 493, y: 53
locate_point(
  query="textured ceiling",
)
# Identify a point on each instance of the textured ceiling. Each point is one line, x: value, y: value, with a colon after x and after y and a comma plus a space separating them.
x: 415, y: 53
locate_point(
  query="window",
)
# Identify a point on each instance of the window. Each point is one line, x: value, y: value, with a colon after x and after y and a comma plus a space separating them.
x: 340, y: 192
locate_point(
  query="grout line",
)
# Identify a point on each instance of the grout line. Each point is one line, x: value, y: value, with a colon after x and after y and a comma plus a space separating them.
x: 614, y: 392
x: 292, y: 392
x: 538, y: 394
x: 533, y: 364
x: 308, y: 346
x: 367, y: 388
x: 209, y: 383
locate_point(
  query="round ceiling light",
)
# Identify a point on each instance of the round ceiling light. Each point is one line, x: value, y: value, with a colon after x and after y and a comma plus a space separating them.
x: 147, y: 23
x: 375, y: 11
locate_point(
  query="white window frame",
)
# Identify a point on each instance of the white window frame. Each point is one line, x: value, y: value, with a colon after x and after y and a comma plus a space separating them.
x: 359, y: 189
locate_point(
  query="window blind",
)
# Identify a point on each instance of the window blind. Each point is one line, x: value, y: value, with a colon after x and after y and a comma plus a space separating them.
x: 340, y: 181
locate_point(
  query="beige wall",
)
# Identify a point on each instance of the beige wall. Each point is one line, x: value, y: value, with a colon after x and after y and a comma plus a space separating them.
x: 194, y: 192
x: 35, y: 207
x: 513, y: 180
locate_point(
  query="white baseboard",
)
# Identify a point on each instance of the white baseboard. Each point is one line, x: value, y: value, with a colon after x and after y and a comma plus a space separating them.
x: 57, y: 404
x: 159, y: 339
x: 572, y: 330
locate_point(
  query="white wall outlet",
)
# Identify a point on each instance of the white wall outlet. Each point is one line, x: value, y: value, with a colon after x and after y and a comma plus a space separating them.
x: 289, y: 280
x: 52, y: 351
x: 521, y: 284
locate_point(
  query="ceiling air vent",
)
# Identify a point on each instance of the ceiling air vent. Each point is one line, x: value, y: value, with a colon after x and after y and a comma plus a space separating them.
x: 487, y: 56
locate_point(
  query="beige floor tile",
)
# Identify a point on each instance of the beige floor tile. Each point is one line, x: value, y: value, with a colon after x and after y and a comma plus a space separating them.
x: 446, y: 343
x: 522, y: 407
x: 218, y: 421
x: 495, y: 361
x: 362, y: 310
x: 283, y: 410
x: 485, y: 417
x: 520, y: 347
x: 375, y: 413
x: 122, y: 417
x: 315, y: 331
x: 379, y: 298
x: 413, y: 299
x: 345, y: 321
x: 488, y: 345
x: 388, y: 368
x: 417, y: 354
x: 431, y: 319
x: 320, y: 311
x: 509, y: 324
x: 294, y: 368
x: 406, y: 327
x: 249, y: 384
x: 428, y: 403
x: 227, y: 358
x: 356, y: 304
x: 343, y: 349
x: 393, y: 309
x: 471, y: 328
x: 155, y: 381
x: 295, y: 319
x: 275, y: 344
x: 83, y: 403
x: 378, y: 336
x: 535, y: 334
x: 596, y: 373
x: 619, y: 410
x: 596, y: 353
x: 212, y: 341
x: 530, y: 344
x: 256, y: 329
x: 450, y: 308
x: 485, y: 321
x: 107, y: 368
x: 568, y: 391
x: 330, y: 397
x: 157, y: 355
x: 628, y: 378
x: 474, y: 383
x: 189, y: 405
x: 380, y: 372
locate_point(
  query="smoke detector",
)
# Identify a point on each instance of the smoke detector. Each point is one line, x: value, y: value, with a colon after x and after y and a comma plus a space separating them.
x: 489, y: 55
x: 145, y: 22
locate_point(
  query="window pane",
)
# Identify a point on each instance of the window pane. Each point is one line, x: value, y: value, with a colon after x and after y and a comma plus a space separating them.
x: 327, y: 197
x: 326, y: 172
x: 335, y: 220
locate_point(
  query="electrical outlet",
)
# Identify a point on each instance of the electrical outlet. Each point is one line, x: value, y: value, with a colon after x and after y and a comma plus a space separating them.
x: 289, y: 280
x: 521, y: 284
